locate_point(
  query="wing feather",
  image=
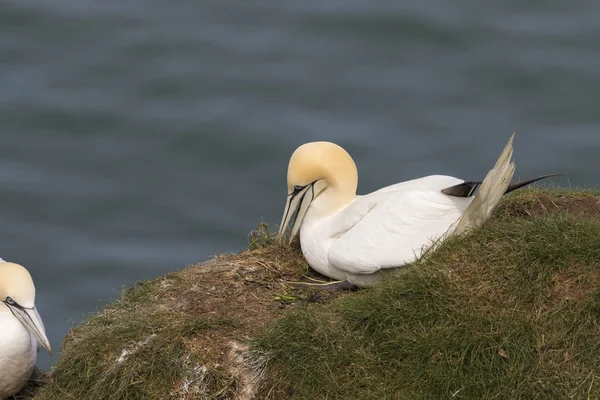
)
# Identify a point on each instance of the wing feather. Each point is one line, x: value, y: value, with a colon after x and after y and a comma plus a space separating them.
x: 391, y: 228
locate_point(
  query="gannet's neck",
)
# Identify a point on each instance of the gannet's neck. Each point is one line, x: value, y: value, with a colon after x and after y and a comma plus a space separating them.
x: 329, y: 202
x: 338, y: 187
x: 334, y: 197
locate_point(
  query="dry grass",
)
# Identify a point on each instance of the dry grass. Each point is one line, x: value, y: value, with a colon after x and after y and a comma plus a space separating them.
x: 184, y: 335
x: 510, y: 311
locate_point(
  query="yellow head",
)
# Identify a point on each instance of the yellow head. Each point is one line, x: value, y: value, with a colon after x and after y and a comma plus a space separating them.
x: 320, y: 170
x: 17, y: 293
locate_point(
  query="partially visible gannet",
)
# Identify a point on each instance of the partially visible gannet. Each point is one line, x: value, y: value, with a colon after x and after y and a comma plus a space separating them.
x: 354, y: 238
x: 21, y: 328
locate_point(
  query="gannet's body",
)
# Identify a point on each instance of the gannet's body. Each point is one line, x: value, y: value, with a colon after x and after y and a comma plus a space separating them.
x: 383, y: 229
x: 20, y: 328
x: 354, y: 238
x: 18, y: 352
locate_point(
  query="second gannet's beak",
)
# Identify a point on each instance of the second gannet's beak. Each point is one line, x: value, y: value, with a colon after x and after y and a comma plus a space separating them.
x: 32, y: 321
x: 295, y: 209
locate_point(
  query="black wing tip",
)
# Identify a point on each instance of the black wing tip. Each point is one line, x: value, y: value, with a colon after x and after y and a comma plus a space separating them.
x: 465, y: 189
x: 518, y: 185
x: 468, y: 189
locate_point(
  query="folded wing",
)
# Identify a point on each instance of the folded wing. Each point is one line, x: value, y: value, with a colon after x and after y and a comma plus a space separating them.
x: 393, y: 228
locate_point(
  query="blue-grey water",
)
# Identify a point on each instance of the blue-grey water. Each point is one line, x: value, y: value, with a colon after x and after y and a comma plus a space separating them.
x: 139, y: 136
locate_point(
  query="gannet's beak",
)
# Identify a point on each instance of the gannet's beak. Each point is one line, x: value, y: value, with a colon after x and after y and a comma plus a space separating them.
x: 31, y: 320
x: 295, y: 209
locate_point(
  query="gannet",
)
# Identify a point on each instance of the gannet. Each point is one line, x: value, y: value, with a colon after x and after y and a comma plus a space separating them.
x: 353, y: 239
x: 21, y: 328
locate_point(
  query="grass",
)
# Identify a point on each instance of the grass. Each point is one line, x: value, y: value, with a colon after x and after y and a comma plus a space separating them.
x: 509, y: 311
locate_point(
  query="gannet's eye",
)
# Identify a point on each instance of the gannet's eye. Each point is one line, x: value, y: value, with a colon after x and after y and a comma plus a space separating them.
x: 10, y: 301
x: 297, y: 189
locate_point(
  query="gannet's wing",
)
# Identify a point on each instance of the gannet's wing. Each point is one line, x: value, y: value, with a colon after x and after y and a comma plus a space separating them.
x: 431, y: 182
x: 391, y: 228
x: 362, y: 205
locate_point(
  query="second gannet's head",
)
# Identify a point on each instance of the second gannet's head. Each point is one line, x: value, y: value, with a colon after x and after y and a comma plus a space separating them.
x: 317, y: 170
x: 17, y: 295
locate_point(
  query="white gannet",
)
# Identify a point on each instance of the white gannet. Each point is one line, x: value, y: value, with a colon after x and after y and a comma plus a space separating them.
x: 21, y: 328
x: 354, y: 238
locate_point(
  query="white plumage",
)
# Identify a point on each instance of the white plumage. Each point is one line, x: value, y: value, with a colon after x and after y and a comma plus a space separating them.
x: 18, y: 352
x: 354, y: 238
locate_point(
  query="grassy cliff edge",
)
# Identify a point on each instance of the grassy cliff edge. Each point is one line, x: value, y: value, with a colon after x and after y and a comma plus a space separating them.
x: 511, y: 310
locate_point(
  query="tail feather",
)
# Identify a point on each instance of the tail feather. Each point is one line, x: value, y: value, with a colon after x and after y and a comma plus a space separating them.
x: 494, y: 186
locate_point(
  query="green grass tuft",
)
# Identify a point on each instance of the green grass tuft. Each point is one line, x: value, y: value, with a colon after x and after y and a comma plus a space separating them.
x: 511, y: 311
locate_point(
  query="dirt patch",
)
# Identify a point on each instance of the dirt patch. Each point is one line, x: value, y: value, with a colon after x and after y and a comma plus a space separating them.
x: 566, y: 287
x: 537, y: 204
x: 240, y: 294
x: 571, y: 285
x: 237, y: 294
